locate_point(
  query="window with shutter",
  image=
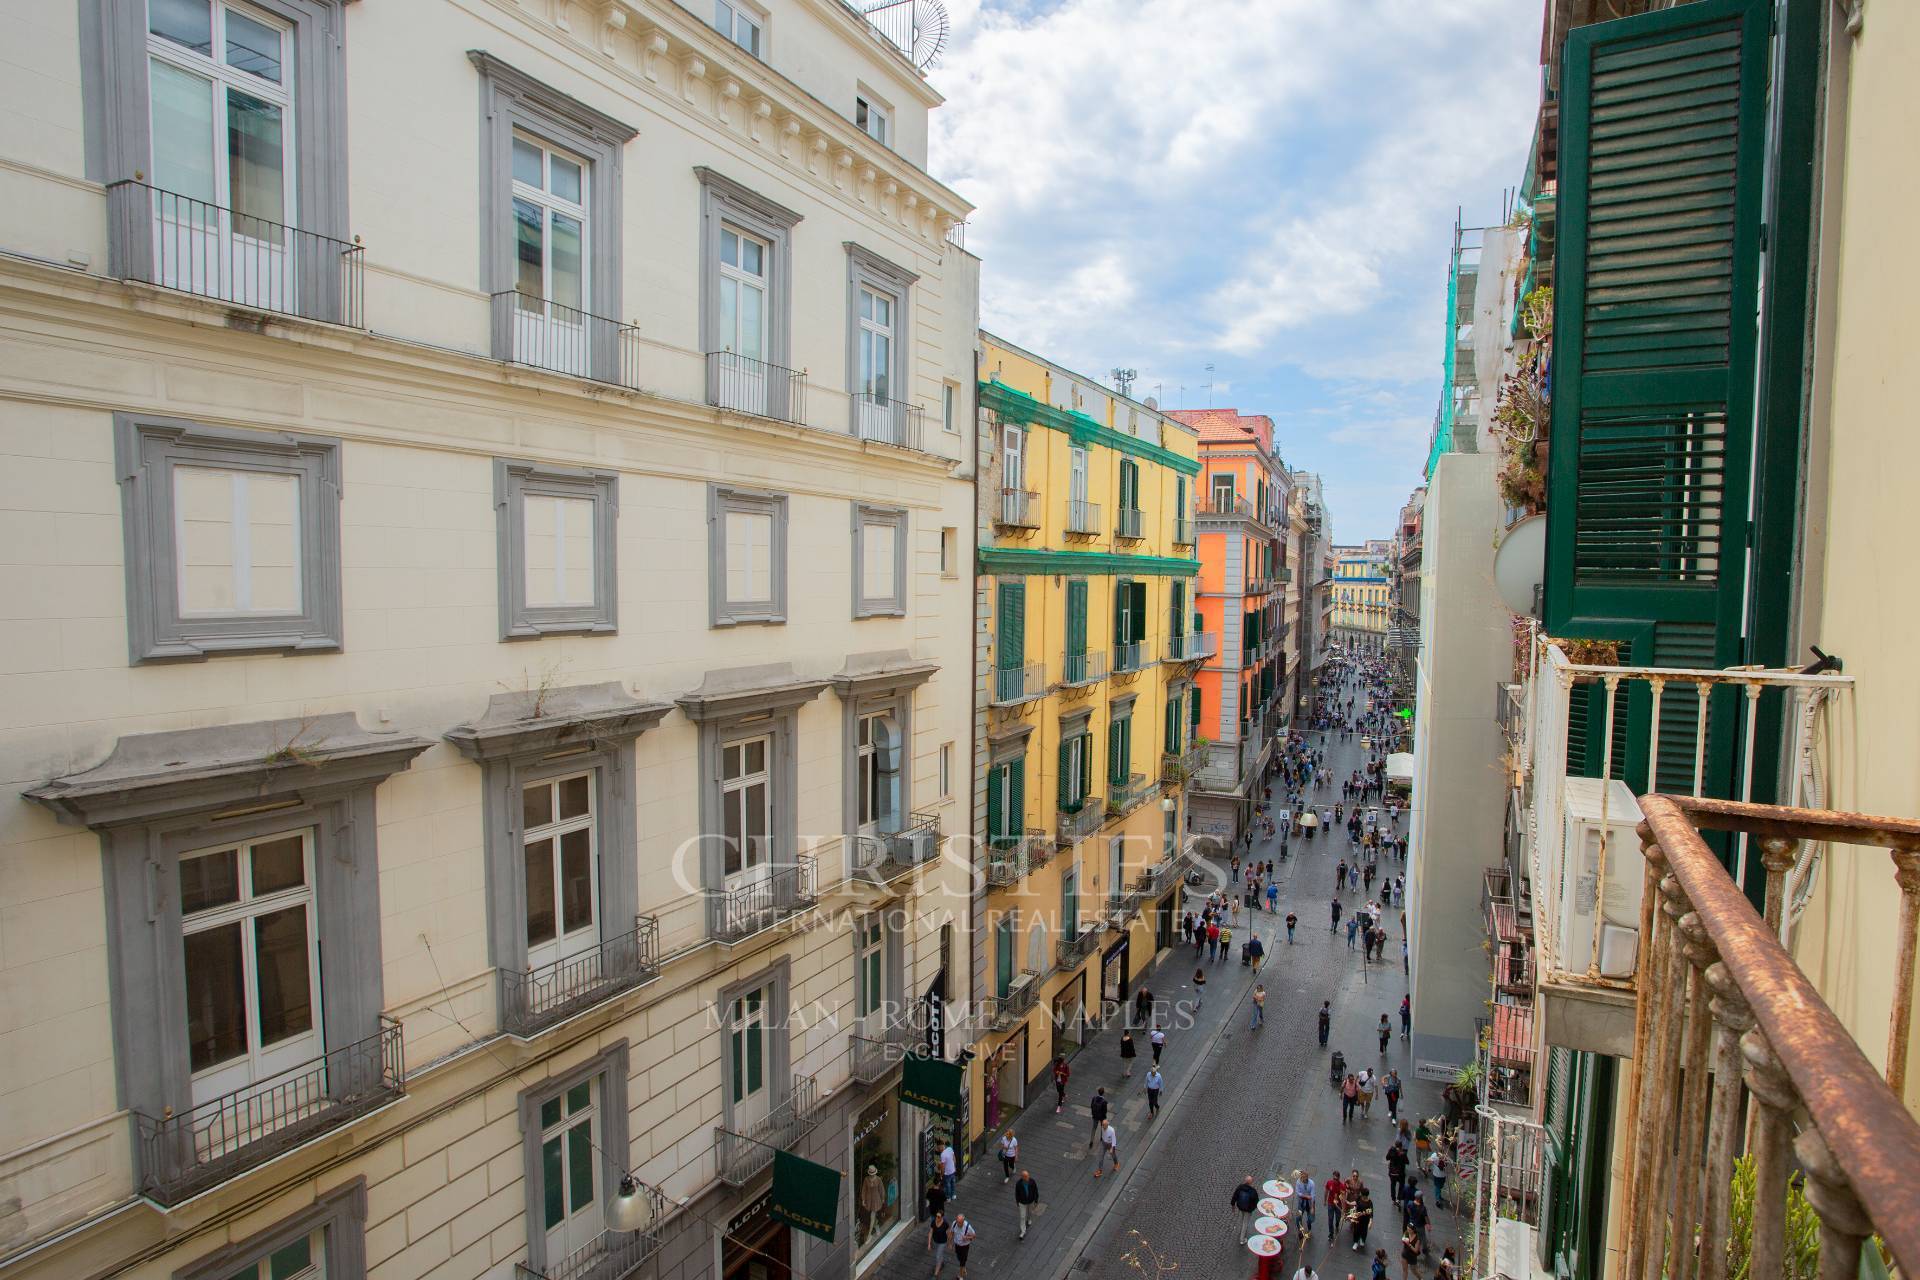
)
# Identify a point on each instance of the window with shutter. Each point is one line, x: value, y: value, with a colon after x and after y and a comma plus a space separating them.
x: 1194, y: 695
x: 1076, y: 617
x: 997, y: 805
x: 1016, y: 798
x: 1011, y: 644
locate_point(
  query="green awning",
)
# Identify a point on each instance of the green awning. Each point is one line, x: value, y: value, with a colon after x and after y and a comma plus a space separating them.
x: 806, y: 1196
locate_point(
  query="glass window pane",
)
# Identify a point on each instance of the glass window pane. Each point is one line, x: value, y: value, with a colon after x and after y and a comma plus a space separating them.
x: 536, y: 806
x: 182, y: 135
x: 753, y: 257
x: 539, y: 865
x: 529, y: 250
x: 733, y: 831
x: 576, y: 796
x: 527, y: 160
x: 729, y: 248
x: 550, y: 1113
x: 270, y: 512
x: 877, y: 550
x: 210, y: 880
x: 757, y: 755
x: 279, y: 865
x: 756, y: 1057
x: 580, y: 1166
x: 185, y: 22
x: 757, y: 821
x: 866, y: 305
x: 576, y: 880
x: 753, y: 328
x: 730, y: 762
x: 579, y: 1096
x: 216, y: 999
x: 256, y: 164
x: 882, y: 366
x: 730, y: 316
x: 747, y: 35
x: 883, y: 310
x: 291, y: 1261
x: 553, y: 1186
x: 722, y: 15
x: 253, y: 47
x: 283, y: 974
x: 565, y: 179
x: 566, y: 268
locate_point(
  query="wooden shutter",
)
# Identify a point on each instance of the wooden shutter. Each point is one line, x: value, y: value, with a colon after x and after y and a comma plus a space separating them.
x: 1177, y: 609
x: 1077, y: 615
x: 1171, y: 730
x: 1194, y: 696
x: 1086, y: 765
x: 1011, y: 647
x: 996, y: 803
x: 1016, y: 801
x: 1114, y: 771
x: 1064, y: 798
x: 1122, y: 627
x: 1139, y: 611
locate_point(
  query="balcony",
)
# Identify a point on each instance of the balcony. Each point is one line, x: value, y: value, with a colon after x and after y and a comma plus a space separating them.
x: 1192, y: 646
x: 543, y: 334
x: 1070, y: 951
x: 1732, y: 1008
x: 1129, y: 523
x: 1022, y: 994
x: 884, y: 857
x: 1129, y: 657
x: 1014, y: 685
x: 882, y: 421
x: 1222, y: 504
x: 1182, y: 531
x: 1009, y: 860
x: 1509, y: 929
x: 755, y: 387
x: 1179, y: 767
x: 1083, y: 518
x: 1507, y: 1055
x: 876, y: 1056
x: 1156, y: 879
x: 1075, y: 825
x: 746, y: 909
x: 1282, y: 576
x: 176, y: 242
x: 183, y: 1153
x: 1123, y: 906
x: 541, y: 998
x: 1017, y: 509
x: 1080, y: 669
x: 1130, y: 793
x: 741, y: 1155
x: 615, y: 1255
x: 1258, y: 584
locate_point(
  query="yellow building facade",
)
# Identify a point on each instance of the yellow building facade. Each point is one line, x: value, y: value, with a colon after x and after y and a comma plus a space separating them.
x: 1088, y: 647
x: 1362, y: 596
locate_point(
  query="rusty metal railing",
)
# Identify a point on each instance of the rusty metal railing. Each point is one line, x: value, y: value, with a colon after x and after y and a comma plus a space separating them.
x: 1736, y: 1052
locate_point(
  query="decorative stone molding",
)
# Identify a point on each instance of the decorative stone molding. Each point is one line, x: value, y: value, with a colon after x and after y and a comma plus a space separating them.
x: 534, y: 721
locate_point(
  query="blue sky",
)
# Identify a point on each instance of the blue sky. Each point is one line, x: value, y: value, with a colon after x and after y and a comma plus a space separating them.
x: 1266, y: 186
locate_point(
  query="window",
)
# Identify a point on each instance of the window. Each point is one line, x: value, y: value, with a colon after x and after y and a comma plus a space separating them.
x: 738, y: 24
x: 872, y: 120
x: 755, y: 1062
x: 1120, y: 749
x: 550, y: 213
x: 870, y: 965
x: 1007, y: 801
x: 555, y: 528
x: 232, y: 538
x: 1003, y: 953
x: 949, y: 408
x: 1077, y: 474
x: 557, y: 830
x: 877, y: 346
x: 746, y: 806
x: 747, y: 557
x: 946, y: 769
x: 575, y: 1147
x: 745, y: 314
x: 879, y: 561
x: 325, y: 1241
x: 949, y: 551
x: 877, y: 754
x: 1076, y: 766
x: 1223, y: 493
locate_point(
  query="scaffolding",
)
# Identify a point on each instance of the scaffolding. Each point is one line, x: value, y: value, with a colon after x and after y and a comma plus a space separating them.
x: 1456, y: 426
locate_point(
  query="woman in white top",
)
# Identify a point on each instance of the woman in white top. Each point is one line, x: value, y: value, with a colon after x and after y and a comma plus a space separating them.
x: 1009, y: 1154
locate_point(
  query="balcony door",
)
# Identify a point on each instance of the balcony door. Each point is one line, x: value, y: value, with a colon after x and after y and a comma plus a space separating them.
x: 749, y: 1050
x: 873, y: 336
x: 746, y: 800
x: 1077, y: 480
x: 563, y: 877
x: 878, y: 763
x: 221, y: 108
x: 252, y: 981
x: 550, y: 327
x: 570, y: 1138
x: 1070, y: 903
x: 744, y: 262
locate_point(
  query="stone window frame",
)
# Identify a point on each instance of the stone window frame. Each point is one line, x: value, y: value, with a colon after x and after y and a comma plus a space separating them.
x: 724, y: 201
x: 342, y: 1213
x: 611, y: 1066
x: 777, y: 976
x: 868, y: 515
x: 510, y: 100
x: 893, y: 1008
x: 723, y: 500
x: 147, y: 448
x: 868, y: 269
x: 878, y: 683
x: 513, y: 480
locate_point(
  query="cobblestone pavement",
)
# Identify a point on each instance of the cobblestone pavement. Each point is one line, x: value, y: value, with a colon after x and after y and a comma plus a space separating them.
x: 1239, y: 1101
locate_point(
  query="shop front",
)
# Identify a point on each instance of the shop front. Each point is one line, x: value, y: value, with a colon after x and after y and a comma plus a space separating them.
x: 1114, y: 976
x: 877, y: 1140
x: 1004, y: 1071
x: 757, y: 1247
x: 1069, y: 1015
x: 1166, y: 919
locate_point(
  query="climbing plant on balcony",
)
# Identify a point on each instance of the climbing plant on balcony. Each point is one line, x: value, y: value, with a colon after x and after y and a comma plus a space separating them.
x: 1522, y: 411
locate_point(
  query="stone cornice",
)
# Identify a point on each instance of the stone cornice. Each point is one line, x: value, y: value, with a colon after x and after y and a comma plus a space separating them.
x: 881, y: 674
x: 745, y: 691
x: 539, y: 722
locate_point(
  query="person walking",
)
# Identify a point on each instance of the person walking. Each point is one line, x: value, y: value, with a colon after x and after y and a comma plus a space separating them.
x: 937, y: 1232
x: 1406, y: 1016
x: 1390, y: 1086
x: 1326, y: 1023
x: 1336, y: 916
x: 1437, y: 1170
x: 936, y: 1198
x: 1009, y: 1155
x: 1409, y: 1253
x: 1336, y: 1192
x: 1213, y: 939
x: 1256, y: 950
x: 1026, y: 1194
x: 1303, y: 1193
x: 1366, y: 1092
x: 1449, y: 1266
x: 1199, y: 989
x: 1397, y: 1172
x: 1349, y: 1097
x: 1109, y: 1150
x: 1142, y: 1007
x: 1127, y: 1050
x: 1306, y: 1271
x: 1292, y: 919
x: 1061, y: 1071
x: 1259, y: 1006
x: 1361, y: 1218
x: 963, y: 1234
x: 1353, y: 927
x: 1226, y: 945
x: 1098, y: 1106
x: 1155, y: 1082
x: 1386, y: 1034
x: 1417, y: 1221
x: 949, y: 1171
x: 1245, y: 1199
x: 1157, y: 1040
x: 1379, y: 1268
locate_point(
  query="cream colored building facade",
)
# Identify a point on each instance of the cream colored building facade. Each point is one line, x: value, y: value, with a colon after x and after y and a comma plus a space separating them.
x: 487, y: 665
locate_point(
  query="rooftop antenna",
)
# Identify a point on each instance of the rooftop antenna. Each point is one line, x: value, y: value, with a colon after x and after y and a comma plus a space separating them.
x: 1209, y: 386
x: 1123, y: 380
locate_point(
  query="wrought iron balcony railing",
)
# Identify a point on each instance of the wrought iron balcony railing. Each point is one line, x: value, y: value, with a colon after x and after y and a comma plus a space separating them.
x: 1223, y: 504
x: 1013, y: 685
x: 1123, y: 904
x: 749, y: 386
x: 1192, y: 646
x: 742, y: 1154
x: 1259, y: 584
x: 540, y: 998
x: 1155, y: 879
x: 876, y: 1056
x: 1022, y: 993
x: 543, y: 334
x: 184, y: 1153
x: 1183, y: 531
x: 1129, y: 793
x: 1505, y: 1046
x: 1018, y: 509
x: 885, y: 857
x: 1071, y: 949
x: 1010, y: 859
x: 1737, y: 1052
x: 176, y: 242
x: 1130, y: 656
x: 1075, y: 825
x: 614, y: 1256
x: 1129, y: 521
x: 885, y: 421
x: 1181, y: 766
x: 1078, y: 669
x: 761, y: 903
x: 1083, y: 517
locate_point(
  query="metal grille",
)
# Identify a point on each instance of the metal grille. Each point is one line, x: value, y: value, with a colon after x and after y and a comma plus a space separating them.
x: 539, y: 998
x: 755, y: 387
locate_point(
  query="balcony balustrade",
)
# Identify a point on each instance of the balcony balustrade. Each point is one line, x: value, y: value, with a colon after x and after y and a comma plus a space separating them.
x: 540, y: 998
x: 1076, y: 824
x: 1259, y: 584
x: 1192, y: 646
x: 1071, y: 950
x: 1221, y: 504
x: 1180, y: 766
x: 1129, y: 522
x: 1123, y: 905
x: 741, y: 1155
x: 1183, y: 531
x: 1078, y: 669
x: 762, y: 902
x: 884, y: 857
x: 544, y: 334
x: 877, y: 1052
x: 1018, y: 509
x: 614, y: 1256
x: 884, y: 421
x: 1083, y: 518
x: 176, y: 242
x: 1022, y: 994
x: 1014, y: 685
x: 183, y: 1153
x: 755, y: 387
x: 1009, y: 860
x: 1129, y: 657
x: 1506, y: 1049
x: 1129, y: 793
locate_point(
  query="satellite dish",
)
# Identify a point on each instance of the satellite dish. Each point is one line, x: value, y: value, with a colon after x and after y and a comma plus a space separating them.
x: 918, y: 28
x: 1152, y: 402
x: 1520, y: 565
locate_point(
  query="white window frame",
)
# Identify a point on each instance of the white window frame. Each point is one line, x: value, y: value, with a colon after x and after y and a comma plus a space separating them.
x: 565, y: 943
x: 946, y: 770
x: 551, y: 205
x: 736, y: 15
x: 337, y: 1221
x: 611, y: 1147
x: 742, y: 861
x: 950, y: 408
x: 870, y: 962
x: 873, y: 118
x: 580, y: 1224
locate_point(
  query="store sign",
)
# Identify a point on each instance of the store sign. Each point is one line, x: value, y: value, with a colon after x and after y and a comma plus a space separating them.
x: 1444, y: 1071
x: 806, y: 1196
x: 741, y: 1223
x: 934, y: 1010
x: 931, y: 1085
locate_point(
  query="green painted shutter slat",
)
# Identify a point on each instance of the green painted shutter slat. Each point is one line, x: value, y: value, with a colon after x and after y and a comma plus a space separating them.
x: 1016, y: 818
x: 996, y: 803
x: 1171, y: 729
x: 1139, y: 611
x: 1122, y: 597
x: 1077, y: 616
x: 1086, y: 765
x: 1194, y: 696
x: 1011, y: 647
x: 1065, y: 797
x: 1113, y: 751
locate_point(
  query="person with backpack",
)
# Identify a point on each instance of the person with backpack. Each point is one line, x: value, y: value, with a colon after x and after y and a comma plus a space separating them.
x: 1026, y: 1194
x: 1061, y: 1072
x: 1390, y: 1086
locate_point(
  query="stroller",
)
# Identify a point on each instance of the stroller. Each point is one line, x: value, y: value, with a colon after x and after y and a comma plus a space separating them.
x: 1337, y: 1069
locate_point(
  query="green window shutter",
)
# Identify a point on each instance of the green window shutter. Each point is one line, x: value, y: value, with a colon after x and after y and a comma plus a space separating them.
x: 1086, y: 765
x: 1114, y: 773
x: 1016, y: 802
x: 1177, y: 609
x: 1139, y: 611
x: 1194, y: 696
x: 1077, y: 615
x: 1180, y: 497
x: 996, y: 803
x: 1003, y: 956
x: 1172, y: 728
x: 1011, y: 645
x: 1065, y: 797
x: 1122, y: 599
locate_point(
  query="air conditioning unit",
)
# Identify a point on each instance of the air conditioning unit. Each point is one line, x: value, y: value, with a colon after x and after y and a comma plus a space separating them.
x: 1513, y: 1249
x: 921, y: 845
x: 1580, y: 895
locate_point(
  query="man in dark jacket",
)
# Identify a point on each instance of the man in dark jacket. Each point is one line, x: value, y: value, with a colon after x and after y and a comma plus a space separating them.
x: 1245, y: 1199
x: 1099, y: 1108
x: 1397, y: 1171
x: 1026, y: 1194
